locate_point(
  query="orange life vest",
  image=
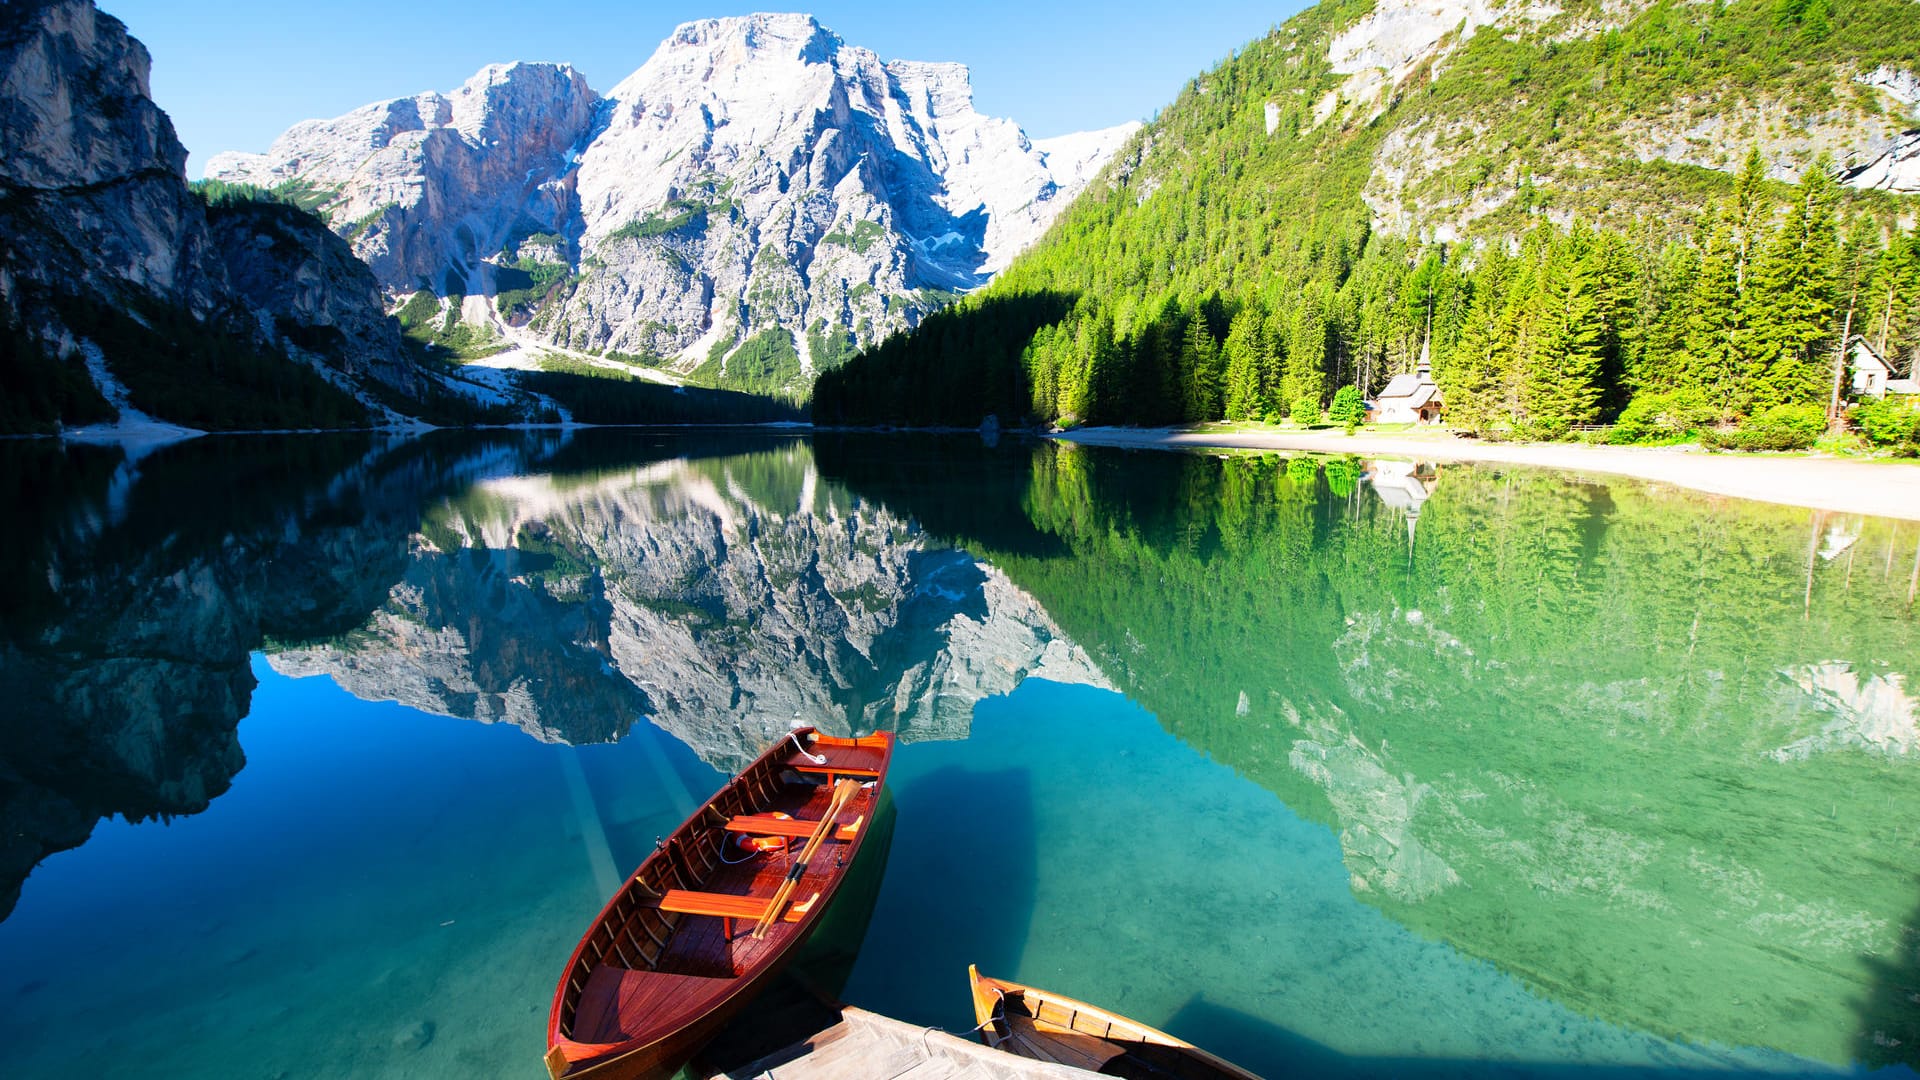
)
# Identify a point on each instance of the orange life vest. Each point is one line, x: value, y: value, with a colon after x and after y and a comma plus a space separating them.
x: 764, y: 844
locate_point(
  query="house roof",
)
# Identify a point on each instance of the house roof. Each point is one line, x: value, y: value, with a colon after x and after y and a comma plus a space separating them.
x: 1401, y: 386
x: 1866, y: 356
x: 1410, y: 390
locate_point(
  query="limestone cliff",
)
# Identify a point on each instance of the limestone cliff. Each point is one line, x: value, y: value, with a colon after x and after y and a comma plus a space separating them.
x: 757, y: 178
x: 105, y: 249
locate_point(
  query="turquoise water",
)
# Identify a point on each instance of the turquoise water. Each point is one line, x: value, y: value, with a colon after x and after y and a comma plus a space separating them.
x: 1518, y: 775
x: 382, y: 892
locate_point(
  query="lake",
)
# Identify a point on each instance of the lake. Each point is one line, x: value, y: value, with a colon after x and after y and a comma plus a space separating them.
x: 319, y: 752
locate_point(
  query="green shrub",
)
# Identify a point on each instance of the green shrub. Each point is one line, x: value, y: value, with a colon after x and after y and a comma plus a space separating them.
x: 863, y: 236
x: 1660, y: 418
x: 1349, y: 409
x: 1306, y: 410
x: 523, y: 285
x: 1782, y: 427
x: 1889, y: 421
x: 677, y: 215
x: 421, y: 310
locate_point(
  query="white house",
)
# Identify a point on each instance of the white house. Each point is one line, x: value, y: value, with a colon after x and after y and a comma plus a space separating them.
x: 1409, y: 399
x: 1873, y: 375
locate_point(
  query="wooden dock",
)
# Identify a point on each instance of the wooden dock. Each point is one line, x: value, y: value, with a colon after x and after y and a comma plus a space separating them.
x: 868, y: 1046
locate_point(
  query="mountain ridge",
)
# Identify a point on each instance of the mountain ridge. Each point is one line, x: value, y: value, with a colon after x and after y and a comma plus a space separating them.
x: 1545, y: 200
x: 756, y: 180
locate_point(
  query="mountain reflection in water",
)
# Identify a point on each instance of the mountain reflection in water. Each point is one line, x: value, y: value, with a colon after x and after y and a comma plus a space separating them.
x: 1649, y: 753
x: 722, y: 598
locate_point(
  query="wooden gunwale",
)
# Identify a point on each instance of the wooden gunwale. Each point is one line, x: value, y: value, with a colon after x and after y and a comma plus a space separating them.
x: 700, y: 976
x: 1058, y: 1028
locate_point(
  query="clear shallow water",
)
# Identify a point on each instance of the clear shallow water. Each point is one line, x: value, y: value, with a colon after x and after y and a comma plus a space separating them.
x: 1563, y: 777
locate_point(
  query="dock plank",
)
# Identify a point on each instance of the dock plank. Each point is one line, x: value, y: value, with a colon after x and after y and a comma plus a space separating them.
x: 866, y: 1045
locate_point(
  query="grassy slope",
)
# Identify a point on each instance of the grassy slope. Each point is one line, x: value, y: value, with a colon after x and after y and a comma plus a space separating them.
x: 1208, y: 200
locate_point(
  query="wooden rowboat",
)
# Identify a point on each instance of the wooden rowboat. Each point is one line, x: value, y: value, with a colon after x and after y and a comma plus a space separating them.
x: 716, y: 910
x: 1051, y: 1027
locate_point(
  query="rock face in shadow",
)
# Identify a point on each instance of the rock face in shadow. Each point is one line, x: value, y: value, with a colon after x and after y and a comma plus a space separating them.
x: 724, y: 600
x: 124, y: 658
x: 94, y: 177
x: 311, y: 292
x: 96, y: 215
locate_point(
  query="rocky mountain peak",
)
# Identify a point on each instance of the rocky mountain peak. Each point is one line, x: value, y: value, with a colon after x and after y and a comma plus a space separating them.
x: 513, y: 95
x: 787, y: 35
x: 757, y: 180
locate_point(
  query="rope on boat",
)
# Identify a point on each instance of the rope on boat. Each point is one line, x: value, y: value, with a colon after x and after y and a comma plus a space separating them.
x: 817, y: 759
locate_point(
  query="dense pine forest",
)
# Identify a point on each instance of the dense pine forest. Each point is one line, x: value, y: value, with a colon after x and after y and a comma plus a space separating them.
x: 1230, y: 266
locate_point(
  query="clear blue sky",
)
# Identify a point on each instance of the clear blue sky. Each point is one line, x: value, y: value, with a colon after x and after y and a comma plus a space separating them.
x: 235, y: 73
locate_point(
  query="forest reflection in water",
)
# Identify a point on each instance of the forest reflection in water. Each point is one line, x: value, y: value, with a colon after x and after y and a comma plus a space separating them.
x: 1649, y: 753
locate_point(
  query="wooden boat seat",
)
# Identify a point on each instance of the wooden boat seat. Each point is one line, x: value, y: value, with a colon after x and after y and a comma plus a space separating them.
x: 727, y: 907
x: 834, y: 772
x: 768, y: 825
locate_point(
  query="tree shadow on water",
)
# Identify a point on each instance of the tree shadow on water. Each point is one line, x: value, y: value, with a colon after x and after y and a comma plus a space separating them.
x: 1889, y: 1031
x: 1273, y: 1051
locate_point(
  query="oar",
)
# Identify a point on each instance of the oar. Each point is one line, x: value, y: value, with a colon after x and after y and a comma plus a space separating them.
x: 843, y: 793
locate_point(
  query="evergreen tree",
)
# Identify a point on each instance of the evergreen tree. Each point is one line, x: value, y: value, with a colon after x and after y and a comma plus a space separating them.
x: 1659, y: 343
x: 1715, y: 327
x: 1246, y: 341
x: 1200, y: 379
x: 1469, y: 372
x: 1560, y: 385
x: 1043, y: 375
x: 1305, y: 372
x: 1790, y: 298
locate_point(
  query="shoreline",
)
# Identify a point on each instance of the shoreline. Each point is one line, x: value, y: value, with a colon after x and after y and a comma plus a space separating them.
x: 1878, y: 488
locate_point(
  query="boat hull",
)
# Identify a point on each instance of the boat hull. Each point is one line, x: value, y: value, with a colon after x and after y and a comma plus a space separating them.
x: 1045, y: 1026
x: 707, y: 921
x: 660, y: 1060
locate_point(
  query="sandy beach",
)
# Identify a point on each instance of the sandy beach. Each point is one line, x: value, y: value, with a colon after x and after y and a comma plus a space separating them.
x: 1887, y: 489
